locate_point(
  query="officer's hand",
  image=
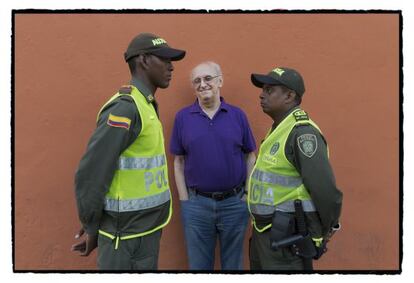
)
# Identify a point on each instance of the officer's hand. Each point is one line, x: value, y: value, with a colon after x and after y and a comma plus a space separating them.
x: 80, y: 233
x: 87, y: 245
x: 244, y: 197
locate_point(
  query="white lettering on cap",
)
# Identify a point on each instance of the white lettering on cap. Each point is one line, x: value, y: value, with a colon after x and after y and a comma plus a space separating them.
x: 158, y: 41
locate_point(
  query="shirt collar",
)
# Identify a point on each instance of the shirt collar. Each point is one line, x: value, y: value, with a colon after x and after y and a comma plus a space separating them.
x: 286, y: 114
x: 143, y: 89
x: 195, y: 108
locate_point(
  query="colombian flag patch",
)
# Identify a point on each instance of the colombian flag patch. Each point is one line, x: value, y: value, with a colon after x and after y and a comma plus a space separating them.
x: 119, y: 122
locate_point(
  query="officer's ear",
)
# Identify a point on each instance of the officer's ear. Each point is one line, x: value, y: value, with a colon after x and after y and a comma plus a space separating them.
x: 290, y: 96
x: 143, y: 61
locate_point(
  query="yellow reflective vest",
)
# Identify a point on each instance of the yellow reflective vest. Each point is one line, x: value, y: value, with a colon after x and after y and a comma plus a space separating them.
x: 274, y: 183
x: 141, y: 179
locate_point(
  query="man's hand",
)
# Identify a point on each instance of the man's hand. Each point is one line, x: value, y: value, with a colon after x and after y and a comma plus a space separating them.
x: 87, y: 245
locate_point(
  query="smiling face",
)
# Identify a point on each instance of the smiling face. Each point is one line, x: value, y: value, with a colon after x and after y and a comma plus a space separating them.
x: 207, y: 80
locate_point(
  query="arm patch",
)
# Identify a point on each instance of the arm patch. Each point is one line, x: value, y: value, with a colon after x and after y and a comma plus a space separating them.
x: 308, y: 144
x: 118, y: 122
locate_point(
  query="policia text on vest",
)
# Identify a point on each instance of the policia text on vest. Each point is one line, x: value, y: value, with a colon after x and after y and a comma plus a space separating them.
x: 122, y: 190
x: 142, y: 165
x: 281, y: 207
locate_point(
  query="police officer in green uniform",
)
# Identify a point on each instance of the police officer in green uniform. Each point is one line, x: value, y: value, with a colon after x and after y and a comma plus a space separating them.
x: 292, y: 196
x: 122, y: 191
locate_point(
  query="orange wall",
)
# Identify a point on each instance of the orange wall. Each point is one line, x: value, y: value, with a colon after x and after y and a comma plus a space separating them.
x: 67, y: 65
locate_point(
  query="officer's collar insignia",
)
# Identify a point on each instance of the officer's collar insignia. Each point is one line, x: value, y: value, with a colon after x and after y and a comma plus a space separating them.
x: 308, y: 144
x: 274, y: 148
x: 300, y: 115
x: 150, y: 98
x: 125, y: 89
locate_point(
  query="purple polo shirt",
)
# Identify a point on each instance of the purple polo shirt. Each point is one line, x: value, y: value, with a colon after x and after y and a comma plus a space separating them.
x: 213, y: 148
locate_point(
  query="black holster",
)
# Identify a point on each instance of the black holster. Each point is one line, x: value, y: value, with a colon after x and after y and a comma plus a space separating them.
x: 283, y: 228
x: 290, y: 230
x: 304, y: 247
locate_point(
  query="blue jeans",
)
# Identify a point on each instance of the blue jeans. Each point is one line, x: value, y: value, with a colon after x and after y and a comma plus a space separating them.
x: 204, y: 219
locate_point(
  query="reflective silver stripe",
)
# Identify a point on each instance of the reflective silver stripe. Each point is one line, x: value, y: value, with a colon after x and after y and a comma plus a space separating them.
x: 272, y: 178
x: 261, y: 209
x: 287, y: 206
x: 126, y: 163
x: 136, y: 204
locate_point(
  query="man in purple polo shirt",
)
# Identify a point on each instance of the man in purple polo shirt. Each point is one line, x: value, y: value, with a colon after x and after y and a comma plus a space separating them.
x: 214, y: 154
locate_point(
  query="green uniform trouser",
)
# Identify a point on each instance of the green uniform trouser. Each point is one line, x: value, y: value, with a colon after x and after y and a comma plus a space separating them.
x: 262, y: 257
x: 139, y: 253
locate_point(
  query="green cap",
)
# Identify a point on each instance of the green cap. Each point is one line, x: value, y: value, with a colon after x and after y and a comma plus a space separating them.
x: 287, y: 77
x: 148, y: 43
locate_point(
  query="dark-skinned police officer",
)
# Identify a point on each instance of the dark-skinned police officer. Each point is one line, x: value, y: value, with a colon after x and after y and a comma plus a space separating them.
x: 122, y: 190
x: 292, y: 196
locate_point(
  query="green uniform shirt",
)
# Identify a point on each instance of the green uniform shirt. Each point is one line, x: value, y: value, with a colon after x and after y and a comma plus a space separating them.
x: 97, y: 167
x: 318, y: 178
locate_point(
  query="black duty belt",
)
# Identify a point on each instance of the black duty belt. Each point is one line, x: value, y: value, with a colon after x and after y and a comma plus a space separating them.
x: 220, y: 195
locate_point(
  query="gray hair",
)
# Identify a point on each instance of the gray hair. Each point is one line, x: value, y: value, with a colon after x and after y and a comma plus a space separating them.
x: 216, y: 67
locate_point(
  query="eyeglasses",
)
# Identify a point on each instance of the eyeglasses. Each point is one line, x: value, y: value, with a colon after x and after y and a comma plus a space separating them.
x: 207, y: 79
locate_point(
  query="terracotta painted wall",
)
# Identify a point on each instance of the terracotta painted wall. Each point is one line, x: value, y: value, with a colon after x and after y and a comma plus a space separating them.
x: 67, y: 65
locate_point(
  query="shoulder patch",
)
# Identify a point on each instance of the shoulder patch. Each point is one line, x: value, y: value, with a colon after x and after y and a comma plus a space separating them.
x: 118, y: 122
x: 125, y: 89
x: 300, y: 115
x: 308, y: 144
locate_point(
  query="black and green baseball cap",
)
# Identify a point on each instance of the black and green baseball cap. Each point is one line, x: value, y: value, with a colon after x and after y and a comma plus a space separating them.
x: 148, y: 43
x: 287, y: 77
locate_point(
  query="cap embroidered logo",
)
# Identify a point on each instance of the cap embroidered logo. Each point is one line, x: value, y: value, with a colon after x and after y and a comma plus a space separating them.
x: 278, y: 71
x: 158, y: 41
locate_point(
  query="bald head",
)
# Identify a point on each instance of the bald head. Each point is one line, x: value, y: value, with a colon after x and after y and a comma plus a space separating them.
x: 213, y: 66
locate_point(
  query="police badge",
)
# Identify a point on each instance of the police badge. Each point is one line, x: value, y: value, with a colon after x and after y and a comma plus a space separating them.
x: 307, y: 144
x: 274, y: 148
